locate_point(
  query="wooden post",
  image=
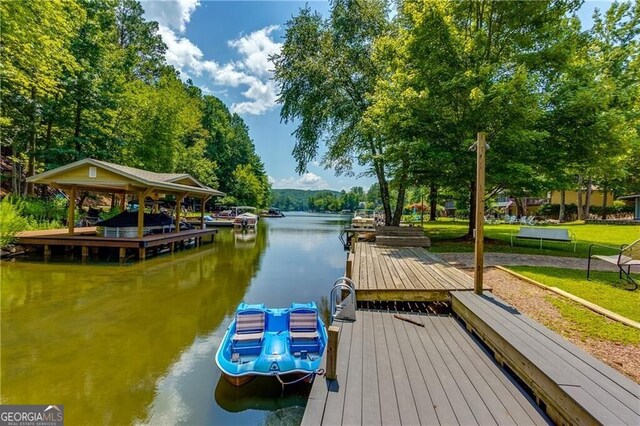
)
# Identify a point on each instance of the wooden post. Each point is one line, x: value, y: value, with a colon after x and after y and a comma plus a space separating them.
x: 479, y: 246
x: 332, y: 352
x: 179, y: 199
x: 349, y: 268
x: 203, y: 210
x: 140, y: 214
x: 47, y: 252
x: 123, y: 200
x: 71, y: 215
x: 85, y: 253
x: 122, y: 254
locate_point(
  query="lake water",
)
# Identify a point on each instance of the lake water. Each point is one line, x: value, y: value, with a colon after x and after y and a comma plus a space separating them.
x: 136, y: 344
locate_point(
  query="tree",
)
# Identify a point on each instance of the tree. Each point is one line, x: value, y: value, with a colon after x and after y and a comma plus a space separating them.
x: 35, y: 53
x: 326, y: 74
x: 457, y: 68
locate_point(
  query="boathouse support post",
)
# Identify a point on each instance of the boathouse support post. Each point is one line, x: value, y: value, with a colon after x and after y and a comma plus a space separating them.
x: 47, y: 252
x: 179, y: 198
x: 332, y: 352
x: 71, y: 215
x: 123, y: 200
x: 203, y: 211
x: 479, y: 242
x: 85, y: 254
x: 140, y: 214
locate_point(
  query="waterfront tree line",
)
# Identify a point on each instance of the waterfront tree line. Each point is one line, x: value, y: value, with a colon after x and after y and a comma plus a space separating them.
x: 405, y: 94
x: 87, y: 78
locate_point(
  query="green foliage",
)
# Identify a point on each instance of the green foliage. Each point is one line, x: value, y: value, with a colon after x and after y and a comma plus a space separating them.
x: 89, y: 79
x: 11, y: 220
x: 111, y: 213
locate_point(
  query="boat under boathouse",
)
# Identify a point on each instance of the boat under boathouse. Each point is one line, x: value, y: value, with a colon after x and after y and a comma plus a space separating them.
x: 142, y: 231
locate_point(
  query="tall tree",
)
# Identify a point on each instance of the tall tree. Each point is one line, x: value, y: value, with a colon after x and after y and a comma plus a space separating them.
x: 326, y: 75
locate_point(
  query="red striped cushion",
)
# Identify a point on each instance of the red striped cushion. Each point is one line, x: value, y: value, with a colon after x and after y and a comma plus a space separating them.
x: 303, y: 321
x: 250, y: 322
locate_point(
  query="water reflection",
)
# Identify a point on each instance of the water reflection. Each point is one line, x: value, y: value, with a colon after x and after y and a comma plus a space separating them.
x: 136, y: 343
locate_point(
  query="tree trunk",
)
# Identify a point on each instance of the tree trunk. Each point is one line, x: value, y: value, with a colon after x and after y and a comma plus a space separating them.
x: 31, y: 144
x: 579, y: 193
x: 76, y: 129
x: 397, y: 214
x: 14, y: 175
x: 562, y: 206
x: 519, y: 207
x: 604, y: 204
x: 587, y: 203
x: 433, y: 202
x: 472, y: 210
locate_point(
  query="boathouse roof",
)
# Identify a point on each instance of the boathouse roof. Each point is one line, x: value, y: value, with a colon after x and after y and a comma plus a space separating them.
x: 95, y: 175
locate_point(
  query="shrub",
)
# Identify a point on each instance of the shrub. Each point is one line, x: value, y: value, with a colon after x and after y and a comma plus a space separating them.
x: 11, y: 220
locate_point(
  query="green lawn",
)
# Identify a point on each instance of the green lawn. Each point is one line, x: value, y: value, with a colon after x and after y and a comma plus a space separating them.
x: 604, y: 289
x: 589, y: 324
x: 443, y: 231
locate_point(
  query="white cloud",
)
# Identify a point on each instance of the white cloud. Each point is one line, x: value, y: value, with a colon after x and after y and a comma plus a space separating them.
x: 174, y: 14
x: 251, y: 73
x: 306, y: 181
x: 256, y: 49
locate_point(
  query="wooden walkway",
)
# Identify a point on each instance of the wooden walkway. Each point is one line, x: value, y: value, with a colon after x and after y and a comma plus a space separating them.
x: 575, y: 387
x: 403, y: 274
x: 394, y: 372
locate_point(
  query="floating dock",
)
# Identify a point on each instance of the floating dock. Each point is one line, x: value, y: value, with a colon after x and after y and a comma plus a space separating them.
x: 482, y: 362
x: 384, y: 273
x: 395, y: 372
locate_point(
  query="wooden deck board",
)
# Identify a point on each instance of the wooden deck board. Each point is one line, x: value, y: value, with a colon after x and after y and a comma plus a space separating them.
x: 335, y: 397
x: 370, y: 398
x: 404, y: 273
x: 567, y: 380
x: 623, y: 403
x: 394, y: 372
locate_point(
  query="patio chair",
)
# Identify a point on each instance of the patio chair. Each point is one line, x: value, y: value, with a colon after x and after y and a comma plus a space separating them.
x: 303, y: 330
x: 627, y: 256
x: 250, y: 326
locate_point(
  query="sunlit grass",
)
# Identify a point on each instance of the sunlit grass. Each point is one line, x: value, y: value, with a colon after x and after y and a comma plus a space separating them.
x: 442, y: 231
x: 589, y: 324
x: 605, y: 289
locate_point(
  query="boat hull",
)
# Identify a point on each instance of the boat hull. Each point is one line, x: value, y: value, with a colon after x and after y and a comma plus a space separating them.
x: 275, y: 354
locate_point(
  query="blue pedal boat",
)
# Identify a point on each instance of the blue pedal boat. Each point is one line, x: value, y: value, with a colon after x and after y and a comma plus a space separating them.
x: 272, y: 342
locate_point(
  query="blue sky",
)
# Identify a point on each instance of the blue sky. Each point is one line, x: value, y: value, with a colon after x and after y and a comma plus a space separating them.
x: 223, y: 47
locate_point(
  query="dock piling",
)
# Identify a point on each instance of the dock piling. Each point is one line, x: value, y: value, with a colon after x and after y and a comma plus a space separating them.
x: 332, y: 352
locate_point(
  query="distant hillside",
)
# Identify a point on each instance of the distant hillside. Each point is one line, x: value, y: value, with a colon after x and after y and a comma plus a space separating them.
x: 296, y: 199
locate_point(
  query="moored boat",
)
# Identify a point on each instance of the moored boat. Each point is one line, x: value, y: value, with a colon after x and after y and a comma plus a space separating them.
x: 246, y: 217
x: 272, y: 342
x: 271, y: 212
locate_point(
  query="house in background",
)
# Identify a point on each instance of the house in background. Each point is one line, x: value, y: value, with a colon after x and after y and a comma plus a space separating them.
x: 636, y: 199
x: 571, y: 197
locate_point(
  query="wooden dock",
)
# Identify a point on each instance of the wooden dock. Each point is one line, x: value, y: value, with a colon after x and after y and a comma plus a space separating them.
x: 575, y: 387
x: 87, y: 239
x: 394, y: 372
x: 383, y: 273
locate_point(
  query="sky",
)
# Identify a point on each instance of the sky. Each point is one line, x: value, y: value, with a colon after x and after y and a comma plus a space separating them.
x: 223, y: 46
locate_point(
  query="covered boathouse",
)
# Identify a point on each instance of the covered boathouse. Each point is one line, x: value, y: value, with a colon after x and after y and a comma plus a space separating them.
x: 102, y: 177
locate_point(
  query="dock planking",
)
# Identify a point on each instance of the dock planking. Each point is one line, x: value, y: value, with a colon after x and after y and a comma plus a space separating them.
x: 404, y: 274
x: 575, y: 387
x: 394, y: 372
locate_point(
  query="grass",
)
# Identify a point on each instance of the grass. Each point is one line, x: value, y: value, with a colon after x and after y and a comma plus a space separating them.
x: 443, y: 231
x: 589, y: 324
x: 604, y: 289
